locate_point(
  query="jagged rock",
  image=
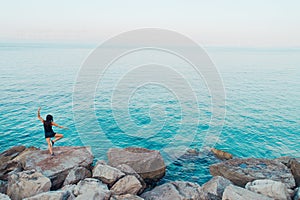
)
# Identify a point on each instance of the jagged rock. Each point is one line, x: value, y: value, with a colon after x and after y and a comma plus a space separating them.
x: 221, y: 154
x: 126, y: 197
x: 149, y: 164
x: 26, y: 184
x: 91, y: 188
x: 3, y: 186
x: 297, y: 194
x: 70, y: 190
x: 76, y: 174
x: 4, y: 197
x: 284, y: 160
x: 7, y: 165
x: 295, y: 168
x: 175, y: 190
x: 51, y: 195
x: 129, y: 171
x: 270, y: 188
x: 107, y: 174
x: 216, y: 186
x: 58, y: 167
x: 237, y: 193
x: 242, y: 171
x: 127, y: 185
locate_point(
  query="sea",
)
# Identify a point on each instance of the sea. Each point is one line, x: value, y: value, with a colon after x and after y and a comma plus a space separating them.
x: 132, y: 108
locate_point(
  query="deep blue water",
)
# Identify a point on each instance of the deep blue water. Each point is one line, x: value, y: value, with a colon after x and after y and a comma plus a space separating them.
x: 262, y: 104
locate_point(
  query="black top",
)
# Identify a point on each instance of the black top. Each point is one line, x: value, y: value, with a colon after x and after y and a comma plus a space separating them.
x: 48, y: 127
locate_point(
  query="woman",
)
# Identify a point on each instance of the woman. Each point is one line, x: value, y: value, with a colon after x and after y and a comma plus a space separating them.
x: 49, y: 133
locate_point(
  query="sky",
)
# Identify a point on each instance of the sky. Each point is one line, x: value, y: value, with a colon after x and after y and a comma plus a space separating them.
x: 267, y: 23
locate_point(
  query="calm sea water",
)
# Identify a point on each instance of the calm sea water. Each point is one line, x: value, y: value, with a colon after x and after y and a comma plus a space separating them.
x: 262, y: 103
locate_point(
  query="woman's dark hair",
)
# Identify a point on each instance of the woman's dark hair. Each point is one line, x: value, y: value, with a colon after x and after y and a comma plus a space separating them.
x: 49, y: 118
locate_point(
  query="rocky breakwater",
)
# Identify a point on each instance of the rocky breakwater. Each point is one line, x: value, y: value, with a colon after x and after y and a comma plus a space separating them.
x: 132, y: 174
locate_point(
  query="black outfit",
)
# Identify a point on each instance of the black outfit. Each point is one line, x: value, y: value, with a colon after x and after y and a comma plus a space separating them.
x: 49, y: 133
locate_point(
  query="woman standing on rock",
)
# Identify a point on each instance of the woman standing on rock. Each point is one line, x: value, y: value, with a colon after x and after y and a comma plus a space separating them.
x: 49, y: 133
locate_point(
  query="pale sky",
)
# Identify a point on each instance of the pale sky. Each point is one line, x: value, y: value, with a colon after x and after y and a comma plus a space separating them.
x: 271, y: 23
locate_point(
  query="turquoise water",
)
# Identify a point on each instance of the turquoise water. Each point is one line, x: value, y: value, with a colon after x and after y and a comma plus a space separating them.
x: 262, y: 103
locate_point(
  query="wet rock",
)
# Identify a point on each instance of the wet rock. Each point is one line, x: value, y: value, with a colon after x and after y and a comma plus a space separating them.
x: 91, y: 188
x: 4, y: 197
x: 270, y: 188
x: 3, y: 186
x: 242, y: 171
x: 126, y: 197
x: 295, y: 168
x: 149, y: 164
x: 237, y: 193
x: 175, y: 190
x: 26, y: 184
x: 127, y: 185
x: 58, y: 167
x: 76, y: 174
x: 51, y: 195
x: 221, y: 154
x: 107, y: 174
x: 216, y: 186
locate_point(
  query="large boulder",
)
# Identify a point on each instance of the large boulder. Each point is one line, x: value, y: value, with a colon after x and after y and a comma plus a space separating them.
x: 91, y: 188
x: 7, y: 164
x: 77, y: 174
x: 106, y: 173
x: 237, y: 193
x: 216, y: 186
x: 242, y: 171
x: 51, y: 195
x: 270, y: 188
x: 175, y: 190
x: 58, y: 167
x: 295, y: 168
x: 149, y: 164
x: 26, y: 184
x: 127, y: 185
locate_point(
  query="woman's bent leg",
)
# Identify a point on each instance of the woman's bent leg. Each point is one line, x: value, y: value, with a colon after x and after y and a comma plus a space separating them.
x: 58, y: 136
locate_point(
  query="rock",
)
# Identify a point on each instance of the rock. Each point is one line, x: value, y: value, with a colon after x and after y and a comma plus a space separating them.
x: 242, y: 171
x: 76, y: 174
x: 58, y: 167
x: 4, y: 197
x: 127, y: 185
x: 52, y: 195
x: 129, y: 171
x: 107, y: 174
x: 26, y: 184
x: 126, y: 197
x: 22, y: 156
x: 175, y: 190
x: 295, y: 168
x: 149, y: 164
x: 284, y: 160
x: 270, y: 188
x: 221, y: 154
x: 70, y: 190
x: 193, y: 152
x: 91, y: 188
x: 3, y: 186
x: 216, y: 186
x: 237, y: 193
x: 297, y: 194
x: 7, y: 165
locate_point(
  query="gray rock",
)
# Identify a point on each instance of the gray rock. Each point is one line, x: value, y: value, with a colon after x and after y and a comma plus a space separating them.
x: 270, y: 188
x: 3, y: 186
x: 76, y: 174
x: 242, y: 171
x: 297, y: 194
x: 295, y: 168
x: 126, y: 197
x: 149, y: 164
x: 91, y: 188
x: 129, y: 171
x: 52, y: 195
x: 176, y: 190
x: 106, y: 173
x: 4, y: 197
x: 216, y: 186
x: 26, y: 184
x: 70, y: 190
x: 58, y: 167
x: 237, y: 193
x: 127, y: 185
